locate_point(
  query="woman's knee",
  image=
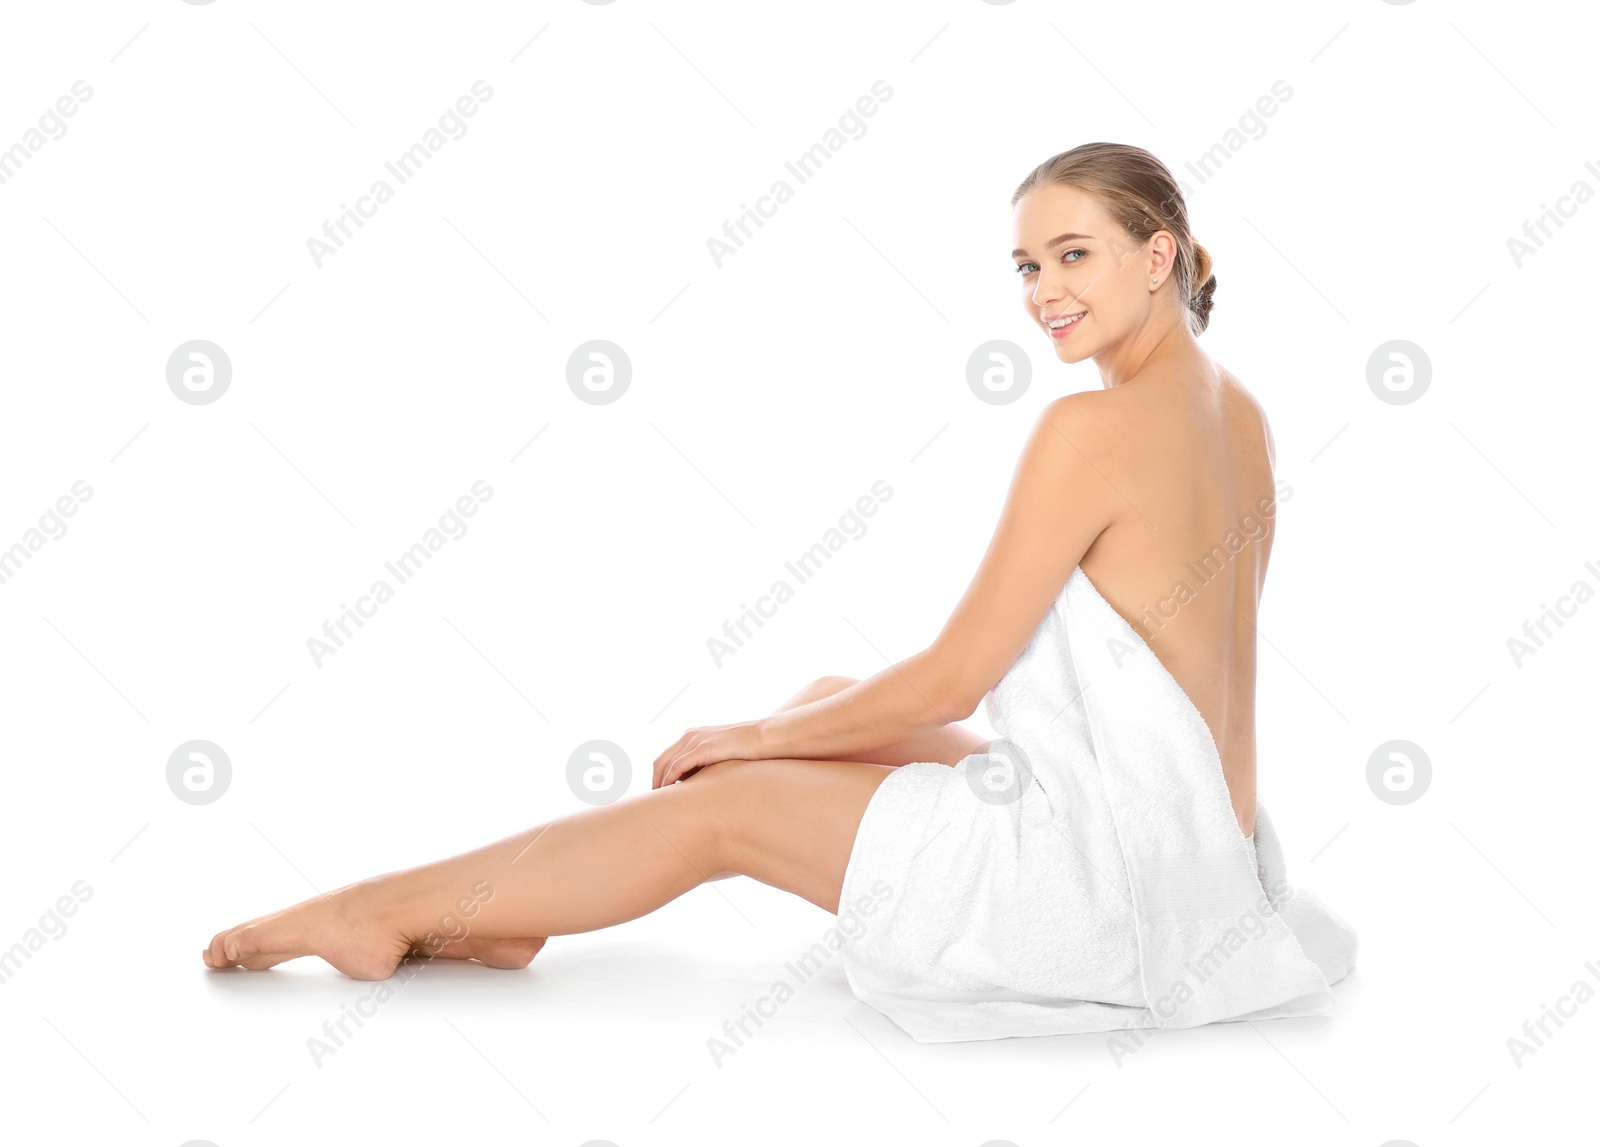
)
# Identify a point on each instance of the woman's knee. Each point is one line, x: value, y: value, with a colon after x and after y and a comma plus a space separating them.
x: 788, y: 823
x: 818, y: 689
x: 720, y: 796
x: 735, y: 798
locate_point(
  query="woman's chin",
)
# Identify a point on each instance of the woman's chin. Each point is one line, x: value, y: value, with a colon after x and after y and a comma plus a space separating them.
x: 1067, y: 351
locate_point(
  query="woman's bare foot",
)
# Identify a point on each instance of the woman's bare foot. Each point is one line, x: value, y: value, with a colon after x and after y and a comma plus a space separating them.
x: 343, y: 927
x: 350, y: 930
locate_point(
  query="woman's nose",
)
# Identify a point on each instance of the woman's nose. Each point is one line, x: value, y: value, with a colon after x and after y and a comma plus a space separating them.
x: 1051, y: 289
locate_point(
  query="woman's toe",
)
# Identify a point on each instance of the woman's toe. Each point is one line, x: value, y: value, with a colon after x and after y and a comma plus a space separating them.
x: 216, y: 957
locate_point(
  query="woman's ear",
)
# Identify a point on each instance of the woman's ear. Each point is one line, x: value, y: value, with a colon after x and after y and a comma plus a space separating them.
x: 1163, y: 257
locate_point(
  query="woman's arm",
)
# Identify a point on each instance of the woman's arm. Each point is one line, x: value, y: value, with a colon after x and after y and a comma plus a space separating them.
x: 1059, y: 502
x: 906, y: 700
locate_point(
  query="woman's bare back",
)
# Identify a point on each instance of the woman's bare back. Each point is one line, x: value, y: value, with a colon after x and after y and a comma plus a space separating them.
x: 1185, y: 561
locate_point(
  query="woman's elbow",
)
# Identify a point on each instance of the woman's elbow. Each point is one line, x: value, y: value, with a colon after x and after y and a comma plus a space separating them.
x: 959, y: 699
x: 950, y: 688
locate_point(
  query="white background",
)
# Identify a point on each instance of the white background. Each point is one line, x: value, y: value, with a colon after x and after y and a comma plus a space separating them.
x: 767, y: 396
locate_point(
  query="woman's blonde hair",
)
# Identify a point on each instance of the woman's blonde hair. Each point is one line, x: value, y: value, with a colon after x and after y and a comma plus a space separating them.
x: 1140, y: 194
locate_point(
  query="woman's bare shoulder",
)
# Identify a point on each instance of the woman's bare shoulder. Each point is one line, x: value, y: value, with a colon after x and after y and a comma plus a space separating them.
x: 1249, y: 409
x: 1091, y: 420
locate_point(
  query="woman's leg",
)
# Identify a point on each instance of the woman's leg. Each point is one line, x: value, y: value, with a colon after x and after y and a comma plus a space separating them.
x: 946, y: 746
x: 366, y: 929
x: 787, y: 823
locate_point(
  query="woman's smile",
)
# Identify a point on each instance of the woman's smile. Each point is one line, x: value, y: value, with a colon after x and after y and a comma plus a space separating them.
x: 1060, y: 326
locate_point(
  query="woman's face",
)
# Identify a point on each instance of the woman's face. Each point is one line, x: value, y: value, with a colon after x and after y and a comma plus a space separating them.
x: 1074, y: 259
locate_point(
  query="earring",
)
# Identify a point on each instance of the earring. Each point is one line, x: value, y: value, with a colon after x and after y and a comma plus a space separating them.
x: 1152, y: 280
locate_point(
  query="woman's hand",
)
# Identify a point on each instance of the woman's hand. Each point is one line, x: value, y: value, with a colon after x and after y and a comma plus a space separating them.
x: 740, y: 741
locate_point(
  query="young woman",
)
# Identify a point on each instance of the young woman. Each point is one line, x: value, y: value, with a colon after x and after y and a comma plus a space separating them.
x: 1074, y: 875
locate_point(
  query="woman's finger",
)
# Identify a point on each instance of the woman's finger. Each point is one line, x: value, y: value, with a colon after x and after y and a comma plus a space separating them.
x: 670, y: 751
x: 667, y: 756
x: 684, y: 764
x: 688, y: 749
x: 688, y: 762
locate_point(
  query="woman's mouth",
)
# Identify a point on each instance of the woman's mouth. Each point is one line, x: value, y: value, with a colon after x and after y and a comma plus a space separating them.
x: 1064, y: 325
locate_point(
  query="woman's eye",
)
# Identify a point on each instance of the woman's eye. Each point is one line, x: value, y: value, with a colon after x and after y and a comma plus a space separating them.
x: 1022, y: 268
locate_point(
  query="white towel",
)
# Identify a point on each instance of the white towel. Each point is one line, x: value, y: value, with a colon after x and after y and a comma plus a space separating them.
x: 1086, y: 872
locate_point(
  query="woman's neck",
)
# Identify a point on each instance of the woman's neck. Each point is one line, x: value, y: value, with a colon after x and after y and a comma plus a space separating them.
x: 1151, y: 349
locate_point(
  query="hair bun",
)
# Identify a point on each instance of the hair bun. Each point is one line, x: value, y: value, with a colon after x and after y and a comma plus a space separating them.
x: 1205, y: 288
